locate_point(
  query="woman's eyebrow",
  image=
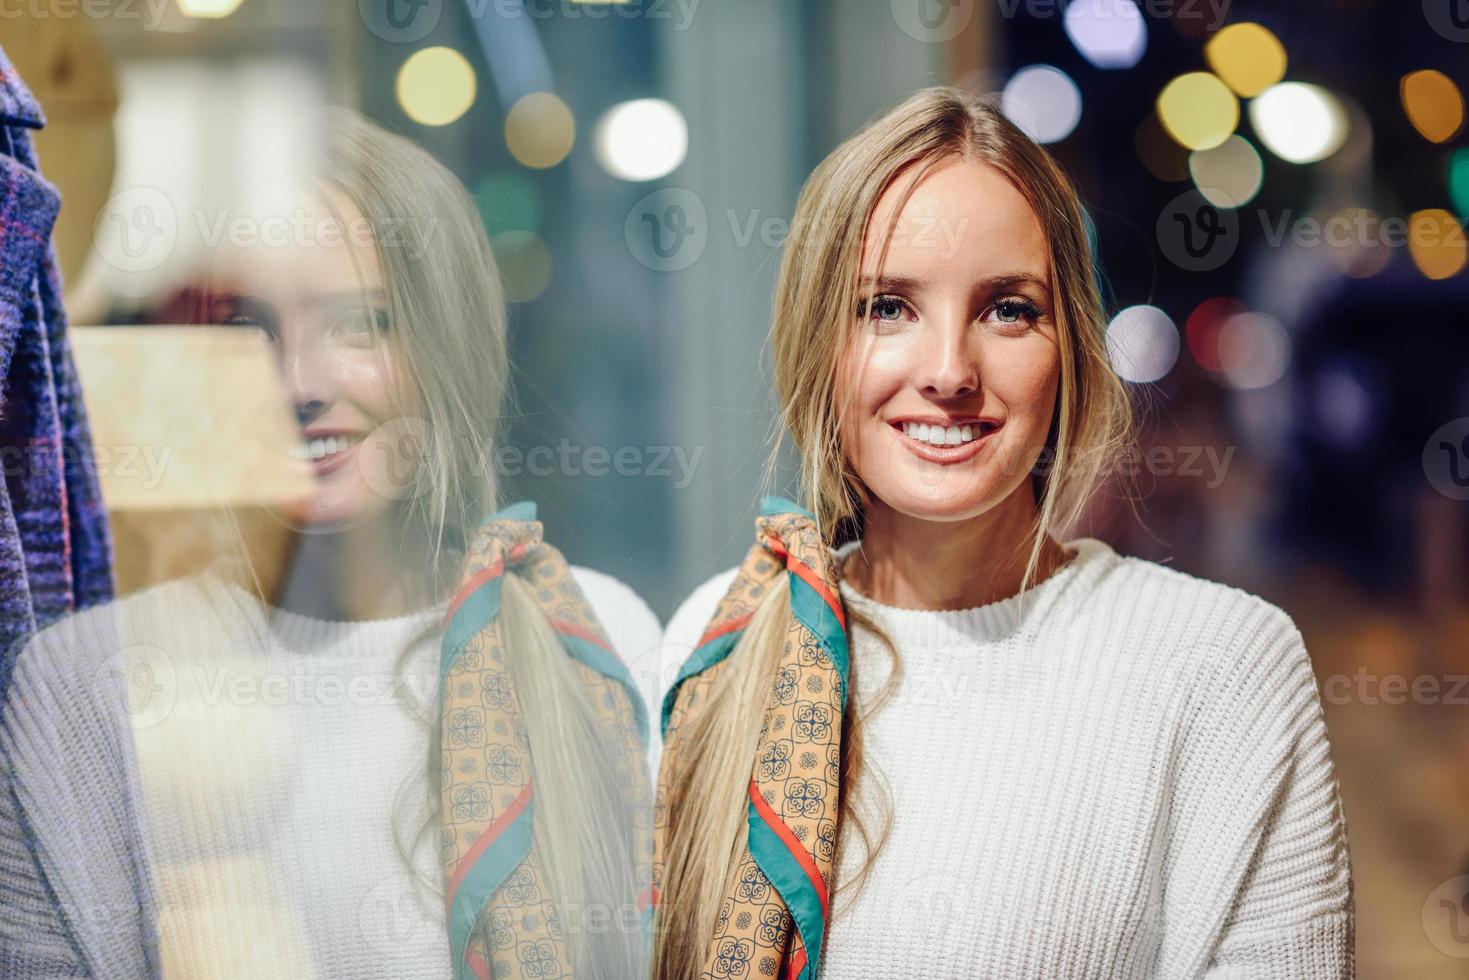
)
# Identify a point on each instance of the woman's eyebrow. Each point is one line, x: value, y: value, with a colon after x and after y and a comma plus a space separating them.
x: 1017, y: 279
x: 991, y: 283
x: 346, y: 297
x: 896, y: 284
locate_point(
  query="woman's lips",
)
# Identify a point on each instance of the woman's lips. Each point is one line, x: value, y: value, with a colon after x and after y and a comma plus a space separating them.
x: 945, y: 454
x: 335, y: 461
x: 328, y: 452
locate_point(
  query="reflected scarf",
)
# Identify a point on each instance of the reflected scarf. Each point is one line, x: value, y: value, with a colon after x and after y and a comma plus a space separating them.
x: 502, y: 919
x: 785, y: 876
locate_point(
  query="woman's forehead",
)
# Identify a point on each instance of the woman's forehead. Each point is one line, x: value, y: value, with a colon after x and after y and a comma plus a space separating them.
x: 292, y: 239
x: 959, y: 215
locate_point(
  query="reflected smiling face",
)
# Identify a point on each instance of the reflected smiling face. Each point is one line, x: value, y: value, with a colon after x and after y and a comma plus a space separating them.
x: 950, y: 387
x: 322, y: 303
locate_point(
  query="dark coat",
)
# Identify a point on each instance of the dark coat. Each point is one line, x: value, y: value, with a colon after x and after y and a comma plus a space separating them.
x: 55, y: 553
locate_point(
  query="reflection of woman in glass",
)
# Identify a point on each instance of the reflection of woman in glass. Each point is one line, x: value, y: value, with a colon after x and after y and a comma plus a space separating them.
x: 1093, y: 765
x: 261, y: 802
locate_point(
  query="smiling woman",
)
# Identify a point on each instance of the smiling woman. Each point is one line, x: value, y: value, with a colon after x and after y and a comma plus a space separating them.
x: 920, y: 734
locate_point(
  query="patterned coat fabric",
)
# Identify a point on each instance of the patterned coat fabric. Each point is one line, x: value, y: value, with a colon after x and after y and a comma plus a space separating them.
x: 502, y: 917
x: 55, y: 553
x: 773, y: 919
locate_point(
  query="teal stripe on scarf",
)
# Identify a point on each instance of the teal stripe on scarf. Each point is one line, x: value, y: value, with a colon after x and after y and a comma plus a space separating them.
x: 700, y: 660
x: 488, y: 873
x: 473, y: 615
x: 772, y: 505
x: 789, y: 879
x: 605, y: 663
x: 811, y: 610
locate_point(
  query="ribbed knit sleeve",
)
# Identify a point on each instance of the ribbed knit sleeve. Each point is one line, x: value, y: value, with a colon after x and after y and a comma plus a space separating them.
x: 77, y: 894
x: 1257, y: 875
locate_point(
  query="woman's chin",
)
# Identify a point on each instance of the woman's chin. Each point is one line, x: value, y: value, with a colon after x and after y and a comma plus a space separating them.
x: 328, y: 513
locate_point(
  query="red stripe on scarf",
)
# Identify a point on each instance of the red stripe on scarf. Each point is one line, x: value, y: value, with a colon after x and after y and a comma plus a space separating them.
x: 572, y: 629
x: 797, y: 849
x: 729, y: 627
x: 485, y: 839
x: 477, y: 963
x: 796, y: 965
x: 807, y: 573
x: 493, y: 571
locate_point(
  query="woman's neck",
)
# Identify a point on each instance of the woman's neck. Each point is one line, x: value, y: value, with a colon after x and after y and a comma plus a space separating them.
x: 914, y: 563
x: 357, y: 574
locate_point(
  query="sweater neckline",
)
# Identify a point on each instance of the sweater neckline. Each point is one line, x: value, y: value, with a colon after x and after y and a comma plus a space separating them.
x: 908, y: 627
x: 304, y: 634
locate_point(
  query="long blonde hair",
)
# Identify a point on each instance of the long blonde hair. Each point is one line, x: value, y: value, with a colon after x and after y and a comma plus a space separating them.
x: 812, y: 323
x: 449, y: 329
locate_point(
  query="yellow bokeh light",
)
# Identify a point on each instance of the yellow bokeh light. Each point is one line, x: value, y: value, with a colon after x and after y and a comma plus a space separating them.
x: 436, y: 86
x: 1198, y: 110
x: 1247, y: 57
x: 1434, y: 104
x: 540, y: 130
x: 211, y: 9
x: 525, y: 264
x: 1436, y: 242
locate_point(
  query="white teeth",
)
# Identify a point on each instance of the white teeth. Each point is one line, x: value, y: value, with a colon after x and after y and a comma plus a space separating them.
x: 317, y: 449
x: 938, y: 435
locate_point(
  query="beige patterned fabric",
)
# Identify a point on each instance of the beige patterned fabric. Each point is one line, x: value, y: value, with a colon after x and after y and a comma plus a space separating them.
x: 503, y: 920
x: 773, y: 919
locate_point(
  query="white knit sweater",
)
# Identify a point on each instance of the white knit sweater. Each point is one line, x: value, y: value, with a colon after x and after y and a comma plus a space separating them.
x: 268, y: 752
x: 1121, y: 773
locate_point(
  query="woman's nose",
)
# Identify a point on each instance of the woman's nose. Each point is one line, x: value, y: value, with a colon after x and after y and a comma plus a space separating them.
x: 308, y: 379
x: 948, y: 363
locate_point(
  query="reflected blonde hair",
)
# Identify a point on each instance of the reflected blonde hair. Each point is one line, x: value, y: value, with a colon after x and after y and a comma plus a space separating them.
x: 449, y: 333
x: 813, y: 323
x: 448, y: 313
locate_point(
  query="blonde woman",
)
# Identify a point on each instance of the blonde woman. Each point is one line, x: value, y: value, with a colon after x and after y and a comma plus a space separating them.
x: 418, y: 757
x: 917, y: 733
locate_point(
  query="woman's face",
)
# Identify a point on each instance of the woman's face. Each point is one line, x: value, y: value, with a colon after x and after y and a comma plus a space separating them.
x: 951, y: 384
x: 318, y: 295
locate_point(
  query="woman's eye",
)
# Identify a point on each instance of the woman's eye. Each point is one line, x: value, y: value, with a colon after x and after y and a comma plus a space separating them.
x: 239, y: 314
x: 363, y: 325
x: 1016, y: 311
x: 882, y: 308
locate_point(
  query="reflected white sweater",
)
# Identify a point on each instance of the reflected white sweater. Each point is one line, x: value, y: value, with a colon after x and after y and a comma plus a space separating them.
x: 1122, y: 773
x: 188, y: 764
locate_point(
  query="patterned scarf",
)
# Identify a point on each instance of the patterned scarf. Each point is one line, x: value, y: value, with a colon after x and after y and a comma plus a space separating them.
x: 785, y: 875
x: 502, y: 918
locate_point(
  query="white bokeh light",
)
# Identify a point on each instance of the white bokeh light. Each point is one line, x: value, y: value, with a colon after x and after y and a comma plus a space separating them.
x: 1108, y: 33
x: 1043, y: 101
x: 642, y: 140
x: 1299, y: 122
x: 1142, y: 344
